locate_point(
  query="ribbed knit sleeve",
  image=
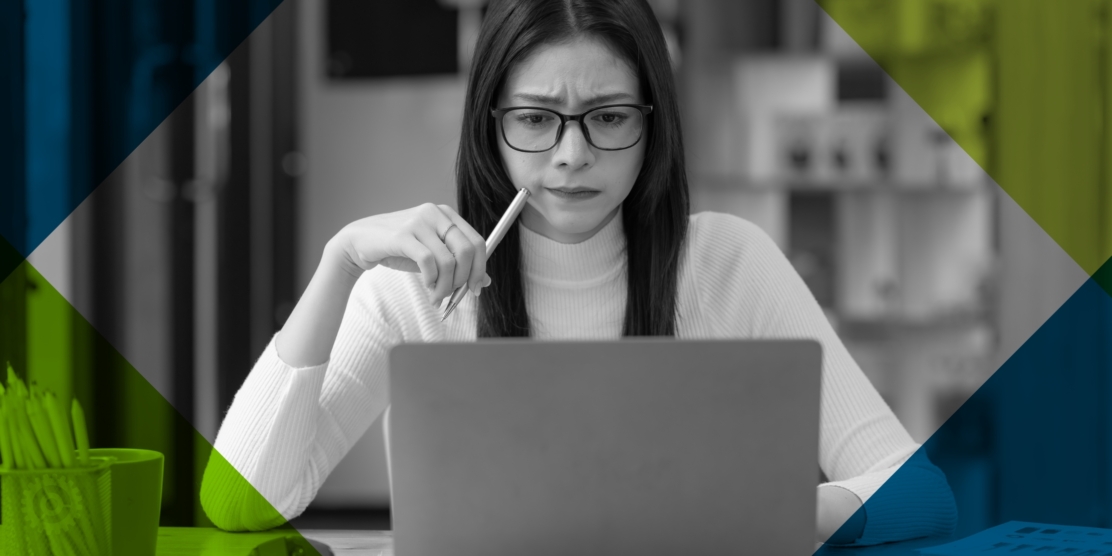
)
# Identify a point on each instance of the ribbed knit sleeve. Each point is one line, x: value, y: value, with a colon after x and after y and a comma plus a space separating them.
x: 273, y: 416
x: 747, y: 288
x: 289, y: 427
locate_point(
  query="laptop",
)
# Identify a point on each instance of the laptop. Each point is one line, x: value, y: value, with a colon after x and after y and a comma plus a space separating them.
x: 638, y: 446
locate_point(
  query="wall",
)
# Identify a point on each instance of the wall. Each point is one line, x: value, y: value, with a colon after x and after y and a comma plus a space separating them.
x: 370, y: 147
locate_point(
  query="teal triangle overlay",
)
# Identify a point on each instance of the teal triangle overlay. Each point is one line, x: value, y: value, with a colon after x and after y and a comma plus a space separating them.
x: 1033, y: 442
x: 122, y: 110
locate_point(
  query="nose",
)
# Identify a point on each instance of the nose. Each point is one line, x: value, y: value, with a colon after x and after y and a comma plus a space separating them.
x: 573, y: 151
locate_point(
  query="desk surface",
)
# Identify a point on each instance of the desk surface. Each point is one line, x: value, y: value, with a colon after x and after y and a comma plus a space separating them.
x: 177, y: 541
x: 173, y: 541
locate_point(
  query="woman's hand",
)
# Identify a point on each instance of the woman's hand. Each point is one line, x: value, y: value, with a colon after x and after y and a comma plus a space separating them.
x: 837, y: 519
x: 431, y: 239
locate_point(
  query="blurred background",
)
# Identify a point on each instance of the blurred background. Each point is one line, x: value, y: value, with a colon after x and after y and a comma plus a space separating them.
x: 192, y: 253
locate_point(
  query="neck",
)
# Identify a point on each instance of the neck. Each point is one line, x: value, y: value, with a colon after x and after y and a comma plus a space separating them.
x: 537, y: 224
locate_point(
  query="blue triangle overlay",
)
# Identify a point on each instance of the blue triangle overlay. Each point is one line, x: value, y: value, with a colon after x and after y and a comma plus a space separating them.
x: 112, y: 72
x: 1033, y: 443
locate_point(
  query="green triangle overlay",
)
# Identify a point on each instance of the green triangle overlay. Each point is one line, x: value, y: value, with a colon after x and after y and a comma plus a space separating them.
x: 1024, y: 76
x: 67, y: 355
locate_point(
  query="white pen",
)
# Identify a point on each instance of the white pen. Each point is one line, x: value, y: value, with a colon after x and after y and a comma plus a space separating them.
x: 492, y: 241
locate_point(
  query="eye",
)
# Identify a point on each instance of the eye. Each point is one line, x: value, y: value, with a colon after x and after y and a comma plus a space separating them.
x: 610, y: 118
x: 532, y: 118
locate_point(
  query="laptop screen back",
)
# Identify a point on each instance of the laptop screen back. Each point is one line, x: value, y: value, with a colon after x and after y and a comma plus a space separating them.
x: 630, y: 447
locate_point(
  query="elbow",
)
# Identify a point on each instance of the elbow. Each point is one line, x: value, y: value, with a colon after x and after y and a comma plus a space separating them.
x: 937, y: 494
x: 949, y: 508
x: 218, y: 503
x: 916, y: 501
x: 232, y: 503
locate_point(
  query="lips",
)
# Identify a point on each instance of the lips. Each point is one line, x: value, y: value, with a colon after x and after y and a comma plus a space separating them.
x: 571, y: 194
x: 572, y: 189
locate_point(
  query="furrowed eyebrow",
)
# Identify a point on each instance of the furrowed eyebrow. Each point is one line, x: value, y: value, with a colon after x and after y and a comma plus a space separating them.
x: 547, y: 99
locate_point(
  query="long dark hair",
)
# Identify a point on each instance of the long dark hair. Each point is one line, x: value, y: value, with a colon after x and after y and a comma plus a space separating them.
x: 655, y: 213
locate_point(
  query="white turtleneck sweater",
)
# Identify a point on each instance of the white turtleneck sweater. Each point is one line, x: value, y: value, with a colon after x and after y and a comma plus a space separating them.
x: 289, y: 427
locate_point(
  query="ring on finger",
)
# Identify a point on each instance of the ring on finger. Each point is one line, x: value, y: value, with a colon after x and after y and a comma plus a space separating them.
x: 444, y: 236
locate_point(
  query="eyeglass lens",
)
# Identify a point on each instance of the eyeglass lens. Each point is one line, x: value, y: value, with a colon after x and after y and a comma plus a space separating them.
x: 535, y: 129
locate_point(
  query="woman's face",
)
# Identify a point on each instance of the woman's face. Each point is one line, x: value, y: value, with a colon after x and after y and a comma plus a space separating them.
x: 571, y: 78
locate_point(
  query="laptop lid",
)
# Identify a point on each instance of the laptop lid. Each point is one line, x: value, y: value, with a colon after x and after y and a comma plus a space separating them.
x: 640, y: 446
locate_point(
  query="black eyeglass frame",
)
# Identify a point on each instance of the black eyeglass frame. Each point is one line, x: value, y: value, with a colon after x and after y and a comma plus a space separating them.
x: 498, y: 113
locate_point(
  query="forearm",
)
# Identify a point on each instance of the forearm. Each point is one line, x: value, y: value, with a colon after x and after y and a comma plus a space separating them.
x: 263, y: 446
x: 837, y: 518
x: 289, y: 426
x: 269, y: 430
x: 307, y: 337
x: 912, y: 501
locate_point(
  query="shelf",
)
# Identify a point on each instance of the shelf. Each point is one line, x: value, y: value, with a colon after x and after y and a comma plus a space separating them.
x: 895, y: 325
x: 724, y: 183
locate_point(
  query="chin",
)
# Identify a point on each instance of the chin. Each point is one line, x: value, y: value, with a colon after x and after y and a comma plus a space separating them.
x: 576, y: 223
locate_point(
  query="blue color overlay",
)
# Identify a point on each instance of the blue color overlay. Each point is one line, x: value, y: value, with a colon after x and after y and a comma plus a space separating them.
x: 95, y: 80
x: 1032, y: 443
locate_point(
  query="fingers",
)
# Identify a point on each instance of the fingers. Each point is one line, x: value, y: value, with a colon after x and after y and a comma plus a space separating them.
x: 464, y: 252
x: 441, y: 282
x: 433, y: 230
x: 473, y: 271
x: 454, y: 253
x: 418, y: 252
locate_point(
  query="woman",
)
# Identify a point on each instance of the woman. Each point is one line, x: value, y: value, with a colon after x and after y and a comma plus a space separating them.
x: 604, y: 249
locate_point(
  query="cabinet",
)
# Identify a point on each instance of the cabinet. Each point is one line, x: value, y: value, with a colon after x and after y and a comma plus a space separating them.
x: 889, y: 219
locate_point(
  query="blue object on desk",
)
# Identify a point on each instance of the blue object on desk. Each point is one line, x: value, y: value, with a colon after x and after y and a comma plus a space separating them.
x: 1030, y: 538
x: 292, y: 545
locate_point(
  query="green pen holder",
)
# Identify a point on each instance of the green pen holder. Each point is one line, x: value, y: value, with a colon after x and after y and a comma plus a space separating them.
x: 56, y: 512
x: 136, y: 499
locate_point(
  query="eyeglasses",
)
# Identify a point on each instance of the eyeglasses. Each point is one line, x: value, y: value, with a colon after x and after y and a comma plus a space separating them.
x: 613, y: 127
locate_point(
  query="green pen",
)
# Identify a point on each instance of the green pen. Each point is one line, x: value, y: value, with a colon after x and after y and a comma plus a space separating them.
x: 13, y: 438
x: 35, y: 459
x: 60, y: 425
x: 40, y: 426
x: 15, y: 384
x: 17, y: 414
x: 80, y: 432
x: 5, y: 443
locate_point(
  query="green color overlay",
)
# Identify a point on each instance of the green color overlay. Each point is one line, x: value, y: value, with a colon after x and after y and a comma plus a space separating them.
x: 1030, y: 78
x: 66, y: 355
